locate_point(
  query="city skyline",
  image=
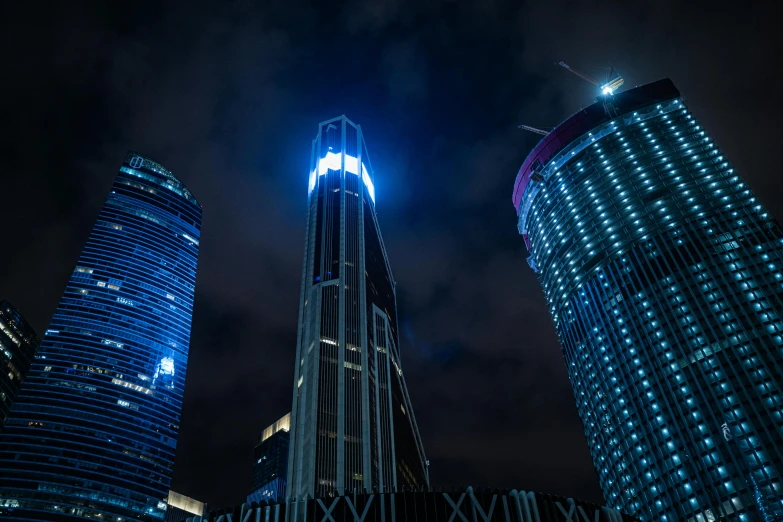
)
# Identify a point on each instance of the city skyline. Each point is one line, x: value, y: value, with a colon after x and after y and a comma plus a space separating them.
x: 228, y: 97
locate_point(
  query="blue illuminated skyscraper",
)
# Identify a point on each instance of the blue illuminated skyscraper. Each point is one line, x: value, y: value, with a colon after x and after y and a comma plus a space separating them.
x: 352, y: 424
x: 94, y: 431
x: 664, y: 277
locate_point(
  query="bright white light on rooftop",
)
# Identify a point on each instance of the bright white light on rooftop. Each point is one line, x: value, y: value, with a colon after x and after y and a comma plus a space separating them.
x: 333, y: 160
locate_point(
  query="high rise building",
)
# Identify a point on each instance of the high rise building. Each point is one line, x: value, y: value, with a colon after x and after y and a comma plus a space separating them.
x: 180, y: 507
x: 352, y: 424
x: 18, y: 344
x: 270, y: 462
x: 94, y: 430
x: 663, y: 275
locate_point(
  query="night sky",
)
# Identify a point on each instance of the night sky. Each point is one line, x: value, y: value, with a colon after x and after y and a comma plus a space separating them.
x: 228, y: 95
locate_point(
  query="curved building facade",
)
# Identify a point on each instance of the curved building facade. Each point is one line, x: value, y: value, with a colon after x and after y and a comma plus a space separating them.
x: 94, y: 430
x: 663, y: 275
x: 352, y: 424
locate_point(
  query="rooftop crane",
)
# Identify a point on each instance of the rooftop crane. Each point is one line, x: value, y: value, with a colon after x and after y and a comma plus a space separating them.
x: 608, y: 88
x: 533, y: 129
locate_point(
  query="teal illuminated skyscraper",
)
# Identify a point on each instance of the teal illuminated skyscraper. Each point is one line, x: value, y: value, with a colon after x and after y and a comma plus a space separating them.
x: 664, y: 278
x: 352, y: 424
x: 94, y: 431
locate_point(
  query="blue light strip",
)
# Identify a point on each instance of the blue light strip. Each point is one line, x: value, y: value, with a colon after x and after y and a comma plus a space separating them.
x: 332, y: 161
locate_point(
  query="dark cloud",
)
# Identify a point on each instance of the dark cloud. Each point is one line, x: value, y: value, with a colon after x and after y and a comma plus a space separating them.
x: 228, y: 95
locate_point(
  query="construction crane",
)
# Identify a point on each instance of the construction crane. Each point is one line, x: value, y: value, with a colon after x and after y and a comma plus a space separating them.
x: 607, y: 88
x: 533, y: 129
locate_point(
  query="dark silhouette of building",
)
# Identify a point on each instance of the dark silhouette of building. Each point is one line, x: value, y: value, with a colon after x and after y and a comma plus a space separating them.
x: 18, y: 344
x: 352, y: 424
x: 424, y: 505
x: 663, y: 275
x: 94, y: 430
x: 270, y: 462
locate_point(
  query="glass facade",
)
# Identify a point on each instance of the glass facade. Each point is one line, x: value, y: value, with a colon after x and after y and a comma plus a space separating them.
x: 18, y: 344
x: 270, y: 462
x: 352, y: 421
x: 94, y: 431
x: 663, y: 276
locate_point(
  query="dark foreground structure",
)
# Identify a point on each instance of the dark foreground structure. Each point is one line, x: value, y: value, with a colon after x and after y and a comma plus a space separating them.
x: 465, y: 505
x: 664, y: 277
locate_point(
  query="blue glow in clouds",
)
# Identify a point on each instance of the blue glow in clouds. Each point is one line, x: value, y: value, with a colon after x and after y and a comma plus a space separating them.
x: 332, y: 162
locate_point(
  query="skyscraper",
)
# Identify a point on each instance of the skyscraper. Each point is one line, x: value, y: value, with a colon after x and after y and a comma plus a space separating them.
x: 270, y: 462
x: 18, y: 344
x: 352, y: 424
x: 662, y: 272
x: 94, y: 431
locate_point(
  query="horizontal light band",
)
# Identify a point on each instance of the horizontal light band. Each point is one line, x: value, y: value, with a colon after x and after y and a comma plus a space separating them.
x: 332, y: 161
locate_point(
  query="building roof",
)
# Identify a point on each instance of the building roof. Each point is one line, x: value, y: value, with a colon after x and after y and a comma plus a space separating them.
x: 585, y: 120
x: 282, y: 424
x: 134, y: 159
x: 185, y: 503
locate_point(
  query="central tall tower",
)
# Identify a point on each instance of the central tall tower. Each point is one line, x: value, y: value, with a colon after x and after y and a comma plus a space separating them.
x: 352, y: 425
